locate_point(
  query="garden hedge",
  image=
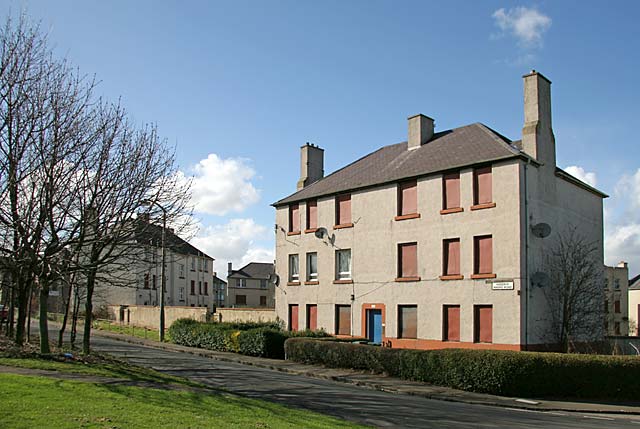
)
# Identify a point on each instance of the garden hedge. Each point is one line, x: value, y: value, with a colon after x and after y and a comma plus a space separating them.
x: 253, y: 339
x: 496, y: 372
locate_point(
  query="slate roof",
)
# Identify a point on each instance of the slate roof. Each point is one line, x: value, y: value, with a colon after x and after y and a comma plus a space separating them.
x: 634, y: 283
x: 254, y: 270
x: 148, y: 233
x: 447, y: 150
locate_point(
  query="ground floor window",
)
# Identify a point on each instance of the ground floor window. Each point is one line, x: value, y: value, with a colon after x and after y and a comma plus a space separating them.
x: 343, y: 320
x: 483, y: 324
x: 407, y: 321
x: 451, y: 323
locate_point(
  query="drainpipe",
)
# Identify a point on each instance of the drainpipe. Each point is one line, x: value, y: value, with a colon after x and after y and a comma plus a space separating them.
x: 526, y: 257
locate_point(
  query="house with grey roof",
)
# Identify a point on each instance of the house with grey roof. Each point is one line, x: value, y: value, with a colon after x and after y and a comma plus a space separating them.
x: 251, y: 286
x: 634, y: 306
x: 437, y: 241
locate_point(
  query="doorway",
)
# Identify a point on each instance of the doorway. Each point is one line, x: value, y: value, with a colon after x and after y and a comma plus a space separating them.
x: 374, y: 325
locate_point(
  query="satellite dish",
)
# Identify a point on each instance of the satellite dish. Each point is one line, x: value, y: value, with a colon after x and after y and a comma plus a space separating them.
x: 321, y: 233
x: 540, y: 279
x: 541, y: 230
x: 274, y: 278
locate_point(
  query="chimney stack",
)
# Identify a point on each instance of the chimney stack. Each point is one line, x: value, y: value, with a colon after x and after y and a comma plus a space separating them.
x: 229, y: 268
x: 420, y: 130
x: 311, y: 165
x: 537, y: 134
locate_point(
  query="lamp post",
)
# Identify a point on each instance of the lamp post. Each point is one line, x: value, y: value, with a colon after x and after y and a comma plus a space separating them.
x: 163, y: 280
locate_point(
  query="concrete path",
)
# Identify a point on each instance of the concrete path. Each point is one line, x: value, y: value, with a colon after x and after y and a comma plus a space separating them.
x: 315, y: 388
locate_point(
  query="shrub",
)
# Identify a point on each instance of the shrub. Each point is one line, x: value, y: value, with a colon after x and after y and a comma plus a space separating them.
x: 488, y: 371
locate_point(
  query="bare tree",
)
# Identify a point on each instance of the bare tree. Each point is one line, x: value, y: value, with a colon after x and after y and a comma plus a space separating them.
x: 574, y: 294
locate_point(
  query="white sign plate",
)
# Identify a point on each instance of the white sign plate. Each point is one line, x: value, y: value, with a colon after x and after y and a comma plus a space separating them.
x: 54, y: 293
x: 502, y: 285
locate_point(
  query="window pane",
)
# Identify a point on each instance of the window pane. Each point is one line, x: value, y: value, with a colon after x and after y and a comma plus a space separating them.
x: 451, y: 190
x: 408, y: 198
x: 408, y: 260
x: 312, y: 214
x: 408, y: 321
x: 343, y: 204
x: 294, y: 273
x: 482, y: 192
x: 343, y: 319
x: 452, y: 323
x: 294, y: 218
x: 483, y: 332
x: 483, y: 255
x: 451, y: 255
x: 344, y: 264
x: 312, y: 266
x: 312, y: 317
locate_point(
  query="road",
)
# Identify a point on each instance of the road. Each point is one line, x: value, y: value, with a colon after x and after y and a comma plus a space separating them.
x: 361, y: 405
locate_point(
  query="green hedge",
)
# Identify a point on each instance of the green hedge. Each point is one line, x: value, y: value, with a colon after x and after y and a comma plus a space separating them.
x: 497, y: 372
x: 253, y: 339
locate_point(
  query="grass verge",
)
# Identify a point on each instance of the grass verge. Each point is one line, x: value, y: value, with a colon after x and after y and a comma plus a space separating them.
x: 135, y: 331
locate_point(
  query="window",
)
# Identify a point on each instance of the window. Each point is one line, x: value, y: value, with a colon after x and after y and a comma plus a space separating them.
x: 199, y: 288
x: 241, y: 283
x: 616, y: 328
x: 293, y: 317
x: 343, y: 264
x: 408, y: 261
x: 482, y: 187
x: 193, y: 263
x: 483, y: 324
x: 312, y: 214
x: 263, y: 284
x: 199, y: 264
x: 193, y: 287
x: 206, y: 288
x: 241, y: 299
x: 294, y: 269
x: 451, y: 258
x: 483, y: 255
x: 206, y: 265
x: 146, y: 281
x: 312, y: 267
x: 616, y: 306
x: 181, y: 270
x: 263, y: 300
x: 343, y: 320
x: 154, y: 282
x: 451, y: 192
x: 181, y: 294
x: 606, y: 283
x: 312, y: 317
x: 343, y: 210
x: 294, y: 218
x: 408, y: 198
x: 451, y: 325
x: 407, y: 321
x: 616, y: 283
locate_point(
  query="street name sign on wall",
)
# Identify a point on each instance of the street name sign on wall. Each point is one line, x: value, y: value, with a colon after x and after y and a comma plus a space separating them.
x: 508, y: 285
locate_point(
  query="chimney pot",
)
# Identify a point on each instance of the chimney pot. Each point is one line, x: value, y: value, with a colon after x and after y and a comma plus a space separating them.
x: 421, y: 129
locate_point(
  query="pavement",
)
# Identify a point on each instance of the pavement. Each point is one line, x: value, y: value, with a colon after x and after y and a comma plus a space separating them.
x: 391, y: 384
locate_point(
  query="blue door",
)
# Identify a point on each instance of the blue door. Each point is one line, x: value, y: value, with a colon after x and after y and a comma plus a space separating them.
x: 374, y: 326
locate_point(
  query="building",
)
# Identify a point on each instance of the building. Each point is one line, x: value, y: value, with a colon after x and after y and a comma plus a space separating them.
x: 251, y: 286
x: 220, y: 290
x: 616, y: 304
x: 438, y: 241
x: 189, y: 273
x: 634, y: 306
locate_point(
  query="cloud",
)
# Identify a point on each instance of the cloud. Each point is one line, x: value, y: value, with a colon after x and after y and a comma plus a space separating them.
x: 526, y: 25
x: 221, y: 186
x: 587, y: 177
x: 235, y: 241
x: 628, y: 188
x: 622, y: 230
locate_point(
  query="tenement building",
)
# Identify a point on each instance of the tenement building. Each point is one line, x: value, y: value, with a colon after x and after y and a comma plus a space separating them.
x: 438, y: 241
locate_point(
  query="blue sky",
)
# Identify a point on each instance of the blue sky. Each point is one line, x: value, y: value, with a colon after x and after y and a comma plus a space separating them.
x: 239, y: 86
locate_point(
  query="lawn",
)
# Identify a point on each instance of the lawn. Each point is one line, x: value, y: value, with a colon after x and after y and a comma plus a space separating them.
x: 146, y: 333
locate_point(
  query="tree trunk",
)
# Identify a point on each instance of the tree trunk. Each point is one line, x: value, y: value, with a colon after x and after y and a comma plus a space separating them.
x: 44, y: 328
x: 22, y: 312
x: 88, y: 309
x: 29, y: 306
x: 66, y: 314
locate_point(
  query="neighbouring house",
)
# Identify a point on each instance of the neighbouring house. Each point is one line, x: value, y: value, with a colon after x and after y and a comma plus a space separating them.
x: 436, y: 241
x: 189, y: 273
x: 251, y: 286
x: 220, y: 290
x: 616, y: 304
x: 634, y: 306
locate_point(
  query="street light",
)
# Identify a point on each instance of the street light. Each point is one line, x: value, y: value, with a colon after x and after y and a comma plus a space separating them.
x: 162, y: 269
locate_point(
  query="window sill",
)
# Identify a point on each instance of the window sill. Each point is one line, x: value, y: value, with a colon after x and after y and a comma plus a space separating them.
x: 293, y: 283
x: 407, y: 279
x: 453, y: 210
x: 293, y: 233
x: 407, y: 216
x: 483, y: 276
x: 342, y: 282
x: 452, y: 277
x: 312, y: 282
x: 310, y: 230
x: 483, y: 206
x: 343, y: 225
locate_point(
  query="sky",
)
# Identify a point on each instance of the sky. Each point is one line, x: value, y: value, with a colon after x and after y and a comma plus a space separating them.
x: 238, y: 86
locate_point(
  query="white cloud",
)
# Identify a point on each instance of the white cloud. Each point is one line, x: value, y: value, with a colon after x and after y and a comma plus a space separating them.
x: 526, y: 25
x: 580, y: 173
x: 221, y: 186
x: 234, y: 242
x: 628, y: 188
x: 622, y: 230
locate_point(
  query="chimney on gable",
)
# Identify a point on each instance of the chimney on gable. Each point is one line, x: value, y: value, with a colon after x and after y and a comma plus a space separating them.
x: 229, y: 268
x: 537, y: 134
x: 420, y: 130
x: 311, y: 165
